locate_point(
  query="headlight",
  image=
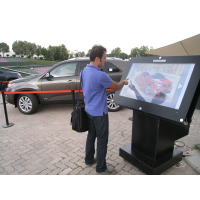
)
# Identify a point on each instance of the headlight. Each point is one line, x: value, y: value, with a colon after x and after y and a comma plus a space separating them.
x: 10, y: 84
x: 158, y: 84
x: 19, y: 74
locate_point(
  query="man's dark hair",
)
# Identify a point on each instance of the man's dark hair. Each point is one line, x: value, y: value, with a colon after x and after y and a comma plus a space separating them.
x: 97, y: 51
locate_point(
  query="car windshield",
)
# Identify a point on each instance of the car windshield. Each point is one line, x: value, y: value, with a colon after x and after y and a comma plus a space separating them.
x: 157, y: 76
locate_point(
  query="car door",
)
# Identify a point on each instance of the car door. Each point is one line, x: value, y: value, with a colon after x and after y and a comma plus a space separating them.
x: 62, y: 77
x: 2, y: 76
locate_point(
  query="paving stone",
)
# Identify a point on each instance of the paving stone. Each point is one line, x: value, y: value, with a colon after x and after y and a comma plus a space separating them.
x: 45, y: 172
x: 86, y: 171
x: 56, y: 160
x: 77, y: 158
x: 55, y: 172
x: 61, y: 165
x: 40, y: 167
x: 127, y: 167
x: 50, y: 166
x: 119, y: 167
x: 9, y: 169
x: 19, y: 168
x: 72, y: 165
x: 26, y: 172
x: 30, y: 167
x: 17, y: 162
x: 66, y: 171
x: 47, y: 160
x: 76, y: 171
x: 1, y: 169
x: 14, y: 173
x: 7, y: 163
x: 7, y: 157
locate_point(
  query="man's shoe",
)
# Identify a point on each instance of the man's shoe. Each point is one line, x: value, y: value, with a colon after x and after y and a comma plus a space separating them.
x: 89, y: 164
x: 107, y: 172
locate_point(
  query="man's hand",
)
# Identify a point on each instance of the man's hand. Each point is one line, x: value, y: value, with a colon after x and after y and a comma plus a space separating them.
x: 126, y: 81
x: 118, y: 86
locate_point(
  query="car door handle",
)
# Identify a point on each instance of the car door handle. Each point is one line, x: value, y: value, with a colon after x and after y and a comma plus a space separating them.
x: 70, y: 81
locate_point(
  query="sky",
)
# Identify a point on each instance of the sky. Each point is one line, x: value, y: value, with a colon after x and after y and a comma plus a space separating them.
x: 82, y: 23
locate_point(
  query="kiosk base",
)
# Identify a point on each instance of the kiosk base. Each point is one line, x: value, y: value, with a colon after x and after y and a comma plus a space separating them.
x: 146, y: 164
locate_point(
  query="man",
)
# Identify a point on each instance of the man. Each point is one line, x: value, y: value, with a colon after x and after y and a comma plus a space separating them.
x: 94, y: 85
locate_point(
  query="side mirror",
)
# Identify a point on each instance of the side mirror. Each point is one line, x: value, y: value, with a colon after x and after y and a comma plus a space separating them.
x: 47, y: 75
x: 110, y: 69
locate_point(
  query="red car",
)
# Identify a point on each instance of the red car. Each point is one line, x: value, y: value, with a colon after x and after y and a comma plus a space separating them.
x: 153, y: 83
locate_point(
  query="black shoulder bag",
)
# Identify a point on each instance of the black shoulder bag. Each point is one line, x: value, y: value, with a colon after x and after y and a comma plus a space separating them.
x: 79, y: 118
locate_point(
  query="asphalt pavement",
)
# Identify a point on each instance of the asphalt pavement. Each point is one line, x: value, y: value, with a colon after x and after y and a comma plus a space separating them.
x: 44, y: 143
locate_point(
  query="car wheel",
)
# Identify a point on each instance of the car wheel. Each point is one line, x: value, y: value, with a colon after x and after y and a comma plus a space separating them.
x: 148, y: 89
x: 27, y: 103
x: 112, y: 106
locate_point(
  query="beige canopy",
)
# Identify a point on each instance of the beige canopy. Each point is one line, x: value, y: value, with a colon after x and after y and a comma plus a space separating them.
x: 190, y: 46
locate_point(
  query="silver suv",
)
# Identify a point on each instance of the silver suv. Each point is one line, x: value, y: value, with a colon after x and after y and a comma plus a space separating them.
x: 62, y: 76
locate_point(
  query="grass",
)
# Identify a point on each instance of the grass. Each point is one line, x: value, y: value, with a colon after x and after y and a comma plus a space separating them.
x: 42, y: 62
x: 197, y: 146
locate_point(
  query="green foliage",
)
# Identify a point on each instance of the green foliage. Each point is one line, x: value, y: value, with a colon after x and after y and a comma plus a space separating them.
x: 24, y: 48
x: 88, y: 53
x: 115, y: 52
x: 42, y: 62
x: 55, y: 53
x: 137, y: 52
x: 4, y: 48
x: 80, y: 54
x: 38, y: 50
x: 59, y: 53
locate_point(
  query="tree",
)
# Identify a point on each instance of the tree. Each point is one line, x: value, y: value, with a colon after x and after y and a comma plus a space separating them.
x: 51, y: 51
x: 80, y: 54
x: 88, y: 53
x: 4, y: 48
x: 143, y: 49
x: 32, y: 48
x: 124, y: 56
x: 137, y: 52
x: 63, y: 55
x: 44, y: 52
x: 16, y: 47
x: 115, y: 52
x: 38, y: 50
x: 58, y: 52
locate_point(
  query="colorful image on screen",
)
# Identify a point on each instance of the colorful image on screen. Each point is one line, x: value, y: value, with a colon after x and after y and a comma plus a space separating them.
x: 158, y: 83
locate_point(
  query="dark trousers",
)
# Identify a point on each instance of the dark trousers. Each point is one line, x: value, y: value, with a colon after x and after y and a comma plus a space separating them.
x: 98, y: 128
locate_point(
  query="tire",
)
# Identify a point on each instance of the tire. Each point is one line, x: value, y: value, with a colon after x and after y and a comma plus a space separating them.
x: 148, y: 89
x: 27, y: 103
x: 112, y: 106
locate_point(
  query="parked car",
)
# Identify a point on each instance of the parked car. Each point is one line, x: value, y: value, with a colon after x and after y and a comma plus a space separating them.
x: 153, y: 83
x: 7, y: 76
x: 62, y: 76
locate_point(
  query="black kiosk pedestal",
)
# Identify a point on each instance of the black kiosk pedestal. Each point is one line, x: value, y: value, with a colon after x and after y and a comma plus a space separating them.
x: 152, y: 148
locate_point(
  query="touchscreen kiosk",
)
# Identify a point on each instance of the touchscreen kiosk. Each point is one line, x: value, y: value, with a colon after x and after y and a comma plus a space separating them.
x: 162, y: 86
x: 162, y: 92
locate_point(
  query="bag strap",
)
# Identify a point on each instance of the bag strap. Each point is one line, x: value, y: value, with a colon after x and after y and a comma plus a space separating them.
x: 79, y: 88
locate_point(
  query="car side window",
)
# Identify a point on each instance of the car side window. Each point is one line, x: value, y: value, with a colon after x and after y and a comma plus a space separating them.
x: 66, y: 69
x: 110, y: 68
x: 84, y: 64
